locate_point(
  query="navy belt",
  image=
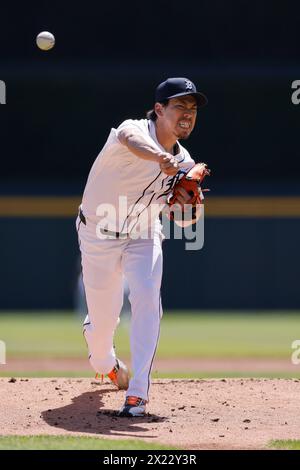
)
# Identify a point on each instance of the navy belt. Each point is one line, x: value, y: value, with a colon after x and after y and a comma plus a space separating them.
x: 104, y: 231
x: 109, y: 233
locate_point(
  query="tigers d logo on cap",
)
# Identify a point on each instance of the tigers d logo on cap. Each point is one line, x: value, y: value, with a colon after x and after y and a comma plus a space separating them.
x: 174, y: 87
x: 189, y: 85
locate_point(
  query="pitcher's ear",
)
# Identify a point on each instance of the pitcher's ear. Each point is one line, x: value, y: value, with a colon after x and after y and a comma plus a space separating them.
x: 158, y: 108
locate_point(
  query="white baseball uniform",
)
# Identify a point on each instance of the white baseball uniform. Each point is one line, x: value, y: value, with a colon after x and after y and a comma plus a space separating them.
x: 121, y: 203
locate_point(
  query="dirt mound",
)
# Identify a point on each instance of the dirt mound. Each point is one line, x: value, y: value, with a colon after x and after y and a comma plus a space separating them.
x: 192, y: 414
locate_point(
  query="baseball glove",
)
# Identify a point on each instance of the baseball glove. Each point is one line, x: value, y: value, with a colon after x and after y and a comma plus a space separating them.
x: 190, y: 182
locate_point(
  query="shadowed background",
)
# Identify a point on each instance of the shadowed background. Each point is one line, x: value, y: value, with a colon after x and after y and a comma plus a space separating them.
x: 107, y: 61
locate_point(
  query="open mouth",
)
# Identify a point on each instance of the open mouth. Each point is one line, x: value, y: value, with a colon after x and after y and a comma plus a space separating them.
x: 184, y: 125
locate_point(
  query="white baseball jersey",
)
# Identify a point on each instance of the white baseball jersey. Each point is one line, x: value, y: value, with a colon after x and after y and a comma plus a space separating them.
x: 124, y: 192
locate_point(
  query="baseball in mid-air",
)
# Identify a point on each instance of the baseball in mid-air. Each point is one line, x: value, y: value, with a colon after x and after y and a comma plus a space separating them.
x: 45, y: 40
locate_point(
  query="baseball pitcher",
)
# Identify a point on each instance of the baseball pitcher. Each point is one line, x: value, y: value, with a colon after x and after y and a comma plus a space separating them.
x: 140, y: 170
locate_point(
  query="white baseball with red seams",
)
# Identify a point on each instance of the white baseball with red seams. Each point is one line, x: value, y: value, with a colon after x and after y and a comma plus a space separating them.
x: 118, y: 172
x: 45, y: 40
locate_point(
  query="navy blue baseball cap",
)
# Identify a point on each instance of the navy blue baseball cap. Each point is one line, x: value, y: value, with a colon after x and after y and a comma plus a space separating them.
x: 174, y: 87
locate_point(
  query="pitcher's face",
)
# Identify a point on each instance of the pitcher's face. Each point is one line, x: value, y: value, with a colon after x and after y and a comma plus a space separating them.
x: 178, y: 117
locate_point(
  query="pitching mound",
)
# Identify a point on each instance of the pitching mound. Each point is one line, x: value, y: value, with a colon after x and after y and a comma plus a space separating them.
x: 191, y: 414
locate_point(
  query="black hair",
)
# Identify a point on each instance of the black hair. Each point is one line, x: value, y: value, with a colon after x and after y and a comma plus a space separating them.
x: 152, y: 114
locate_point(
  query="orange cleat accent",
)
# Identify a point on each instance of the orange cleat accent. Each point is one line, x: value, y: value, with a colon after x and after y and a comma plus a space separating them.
x: 119, y: 376
x: 133, y: 406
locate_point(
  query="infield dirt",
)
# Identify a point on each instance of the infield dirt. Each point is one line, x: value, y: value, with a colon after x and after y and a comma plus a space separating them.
x: 190, y: 414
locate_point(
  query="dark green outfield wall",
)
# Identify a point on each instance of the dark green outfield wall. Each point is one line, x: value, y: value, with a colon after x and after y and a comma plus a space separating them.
x: 108, y: 58
x: 245, y: 263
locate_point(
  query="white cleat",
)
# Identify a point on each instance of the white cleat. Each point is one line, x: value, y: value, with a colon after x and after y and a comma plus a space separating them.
x: 119, y: 375
x: 133, y: 406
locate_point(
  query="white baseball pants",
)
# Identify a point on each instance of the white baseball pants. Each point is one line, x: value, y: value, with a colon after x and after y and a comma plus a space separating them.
x: 104, y: 262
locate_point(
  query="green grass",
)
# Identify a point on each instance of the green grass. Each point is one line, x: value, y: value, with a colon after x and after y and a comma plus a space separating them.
x: 74, y: 443
x: 229, y: 335
x: 183, y: 335
x: 291, y: 444
x: 47, y: 334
